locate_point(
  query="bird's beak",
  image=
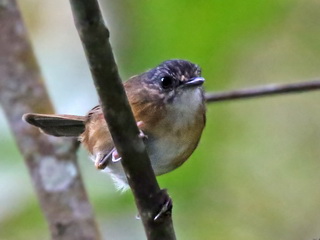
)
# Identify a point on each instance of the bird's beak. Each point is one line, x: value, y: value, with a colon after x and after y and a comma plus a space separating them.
x: 197, y: 81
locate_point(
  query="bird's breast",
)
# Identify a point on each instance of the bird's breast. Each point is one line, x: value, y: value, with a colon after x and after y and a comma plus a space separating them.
x: 174, y: 139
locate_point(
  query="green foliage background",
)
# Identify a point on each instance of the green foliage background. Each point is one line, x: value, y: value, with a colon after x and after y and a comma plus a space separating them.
x: 255, y: 174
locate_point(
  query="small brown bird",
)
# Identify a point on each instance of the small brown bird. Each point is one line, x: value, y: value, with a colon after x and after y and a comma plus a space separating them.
x: 168, y: 105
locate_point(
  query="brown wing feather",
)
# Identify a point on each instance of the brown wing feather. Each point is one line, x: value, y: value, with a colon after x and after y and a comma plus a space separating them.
x: 96, y: 138
x: 146, y: 102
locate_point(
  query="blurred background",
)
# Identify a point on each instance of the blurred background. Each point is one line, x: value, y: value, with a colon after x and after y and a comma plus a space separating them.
x: 255, y: 174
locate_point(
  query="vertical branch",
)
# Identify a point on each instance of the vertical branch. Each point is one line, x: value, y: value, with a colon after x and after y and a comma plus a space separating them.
x: 51, y: 161
x: 148, y: 196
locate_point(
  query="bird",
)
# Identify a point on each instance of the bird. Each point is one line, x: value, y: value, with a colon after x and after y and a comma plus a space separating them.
x: 169, y: 108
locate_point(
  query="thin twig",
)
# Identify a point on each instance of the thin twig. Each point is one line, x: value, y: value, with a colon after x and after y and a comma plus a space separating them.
x: 148, y: 196
x: 51, y: 161
x: 263, y: 91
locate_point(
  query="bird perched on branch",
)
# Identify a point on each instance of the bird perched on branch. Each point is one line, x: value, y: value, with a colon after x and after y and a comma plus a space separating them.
x: 168, y: 105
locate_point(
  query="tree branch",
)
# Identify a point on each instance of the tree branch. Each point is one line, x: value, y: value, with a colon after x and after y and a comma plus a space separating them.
x: 51, y: 161
x: 117, y: 112
x: 263, y: 91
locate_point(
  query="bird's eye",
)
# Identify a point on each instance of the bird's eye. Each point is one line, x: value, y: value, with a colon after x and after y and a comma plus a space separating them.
x: 167, y: 82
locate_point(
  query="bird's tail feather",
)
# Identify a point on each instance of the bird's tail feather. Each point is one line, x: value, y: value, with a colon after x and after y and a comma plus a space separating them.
x: 57, y: 125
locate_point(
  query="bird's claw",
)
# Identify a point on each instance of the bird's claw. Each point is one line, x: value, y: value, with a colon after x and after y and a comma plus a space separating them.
x: 165, y: 208
x: 101, y: 162
x: 115, y: 156
x: 140, y: 125
x: 142, y: 135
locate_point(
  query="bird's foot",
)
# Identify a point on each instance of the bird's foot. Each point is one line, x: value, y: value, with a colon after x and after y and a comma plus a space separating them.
x: 102, y: 160
x: 166, y: 206
x: 140, y: 125
x: 115, y: 156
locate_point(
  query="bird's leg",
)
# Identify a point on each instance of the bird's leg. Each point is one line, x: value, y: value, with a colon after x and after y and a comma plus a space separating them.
x: 102, y: 162
x: 140, y: 125
x: 115, y: 156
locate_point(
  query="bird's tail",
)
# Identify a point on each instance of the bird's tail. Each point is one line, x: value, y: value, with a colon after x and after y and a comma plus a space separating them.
x: 57, y: 125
